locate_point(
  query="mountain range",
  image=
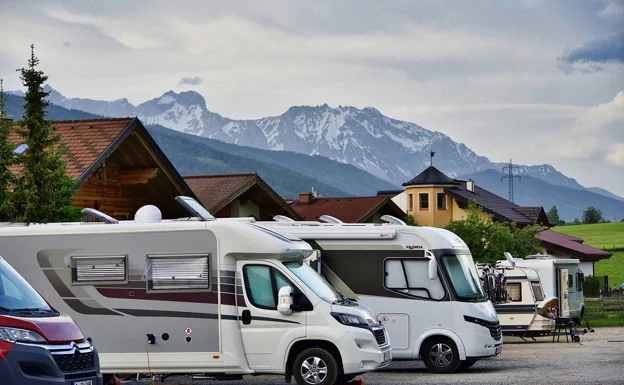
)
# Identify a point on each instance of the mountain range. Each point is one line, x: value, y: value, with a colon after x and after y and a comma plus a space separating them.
x: 343, y: 150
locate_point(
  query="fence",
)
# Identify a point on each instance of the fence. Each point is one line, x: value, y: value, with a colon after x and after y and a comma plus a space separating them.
x: 603, y: 306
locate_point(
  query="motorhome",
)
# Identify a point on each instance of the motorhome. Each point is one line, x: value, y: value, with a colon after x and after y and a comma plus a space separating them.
x: 421, y: 282
x: 204, y: 296
x: 38, y: 344
x: 560, y: 278
x: 523, y: 311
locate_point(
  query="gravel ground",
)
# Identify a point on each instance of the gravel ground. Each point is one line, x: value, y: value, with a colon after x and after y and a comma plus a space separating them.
x: 597, y: 359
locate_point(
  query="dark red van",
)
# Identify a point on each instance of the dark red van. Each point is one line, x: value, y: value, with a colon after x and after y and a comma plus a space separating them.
x: 39, y: 345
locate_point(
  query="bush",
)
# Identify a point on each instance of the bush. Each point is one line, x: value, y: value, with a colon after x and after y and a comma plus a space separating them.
x: 591, y: 287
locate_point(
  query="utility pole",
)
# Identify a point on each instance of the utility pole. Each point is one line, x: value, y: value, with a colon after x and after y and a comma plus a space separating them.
x: 510, y: 175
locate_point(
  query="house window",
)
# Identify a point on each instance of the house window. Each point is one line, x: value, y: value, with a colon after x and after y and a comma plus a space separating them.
x: 514, y: 290
x: 99, y: 269
x: 411, y: 277
x: 410, y: 202
x: 441, y: 198
x: 423, y: 199
x: 178, y: 272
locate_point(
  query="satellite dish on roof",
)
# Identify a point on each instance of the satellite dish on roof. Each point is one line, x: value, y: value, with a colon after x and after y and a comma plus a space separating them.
x: 148, y: 214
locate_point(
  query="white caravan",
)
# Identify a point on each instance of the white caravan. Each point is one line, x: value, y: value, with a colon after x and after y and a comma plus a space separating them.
x: 421, y: 282
x: 525, y: 313
x: 561, y: 278
x: 217, y: 298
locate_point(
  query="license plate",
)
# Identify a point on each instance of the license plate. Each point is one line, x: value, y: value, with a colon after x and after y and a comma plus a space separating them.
x: 499, y: 349
x: 88, y: 382
x: 386, y: 356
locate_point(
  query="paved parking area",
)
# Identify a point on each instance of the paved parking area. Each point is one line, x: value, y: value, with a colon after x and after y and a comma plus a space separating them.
x: 597, y: 359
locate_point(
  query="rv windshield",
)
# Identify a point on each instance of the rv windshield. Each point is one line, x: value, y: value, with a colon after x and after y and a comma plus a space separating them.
x: 17, y: 296
x: 315, y: 282
x: 464, y: 277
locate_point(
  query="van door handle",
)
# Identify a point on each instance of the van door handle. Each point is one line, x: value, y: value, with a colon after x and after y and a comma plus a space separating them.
x: 246, y: 317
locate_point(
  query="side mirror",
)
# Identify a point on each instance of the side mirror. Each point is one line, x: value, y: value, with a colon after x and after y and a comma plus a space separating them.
x: 285, y: 300
x: 433, y: 269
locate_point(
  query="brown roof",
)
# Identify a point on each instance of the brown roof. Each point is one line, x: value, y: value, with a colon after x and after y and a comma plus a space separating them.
x: 86, y: 139
x: 217, y: 191
x: 348, y: 209
x: 570, y: 245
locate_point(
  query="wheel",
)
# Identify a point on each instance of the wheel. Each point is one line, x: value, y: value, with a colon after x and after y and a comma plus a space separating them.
x: 463, y: 365
x: 576, y: 338
x: 315, y: 366
x: 440, y: 355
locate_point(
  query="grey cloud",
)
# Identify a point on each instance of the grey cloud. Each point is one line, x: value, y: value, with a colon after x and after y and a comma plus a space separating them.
x: 192, y: 81
x: 67, y: 44
x: 597, y: 52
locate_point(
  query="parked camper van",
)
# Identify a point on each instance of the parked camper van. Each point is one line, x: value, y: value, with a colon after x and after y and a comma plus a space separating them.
x: 39, y: 345
x: 560, y: 278
x: 421, y: 282
x: 198, y: 296
x: 523, y: 311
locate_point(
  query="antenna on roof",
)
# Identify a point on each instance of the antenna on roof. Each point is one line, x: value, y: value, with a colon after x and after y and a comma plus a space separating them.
x: 330, y: 219
x: 315, y: 193
x: 282, y: 218
x: 393, y: 219
x: 99, y: 215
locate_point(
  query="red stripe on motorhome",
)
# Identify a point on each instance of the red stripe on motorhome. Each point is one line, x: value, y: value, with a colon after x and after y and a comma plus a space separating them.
x: 142, y: 294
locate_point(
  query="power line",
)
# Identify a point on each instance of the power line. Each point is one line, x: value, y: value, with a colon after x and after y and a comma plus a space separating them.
x: 510, y: 175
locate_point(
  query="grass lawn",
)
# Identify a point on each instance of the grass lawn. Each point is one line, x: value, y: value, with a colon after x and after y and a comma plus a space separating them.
x: 610, y: 319
x: 603, y: 236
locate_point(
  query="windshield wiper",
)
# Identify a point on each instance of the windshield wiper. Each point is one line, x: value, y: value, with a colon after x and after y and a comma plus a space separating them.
x: 32, y: 310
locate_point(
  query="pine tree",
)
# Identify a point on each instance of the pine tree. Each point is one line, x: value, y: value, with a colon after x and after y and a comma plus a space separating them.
x: 7, y: 159
x: 43, y: 193
x: 553, y: 216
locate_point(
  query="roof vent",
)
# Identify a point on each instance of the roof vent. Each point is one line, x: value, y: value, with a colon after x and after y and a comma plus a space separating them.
x: 99, y: 215
x: 282, y: 218
x: 470, y: 185
x: 393, y: 220
x: 329, y: 219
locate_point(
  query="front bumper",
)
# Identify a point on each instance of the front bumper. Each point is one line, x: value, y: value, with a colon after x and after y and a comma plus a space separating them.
x: 480, y: 346
x: 35, y: 365
x: 361, y: 352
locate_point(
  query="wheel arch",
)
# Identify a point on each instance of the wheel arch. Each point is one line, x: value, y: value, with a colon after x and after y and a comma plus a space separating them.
x: 434, y: 333
x: 299, y: 346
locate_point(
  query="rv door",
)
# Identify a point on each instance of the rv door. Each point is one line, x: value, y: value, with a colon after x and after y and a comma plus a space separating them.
x: 265, y: 331
x: 564, y: 304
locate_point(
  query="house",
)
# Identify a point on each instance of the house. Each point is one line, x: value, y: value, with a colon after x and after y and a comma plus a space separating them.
x: 347, y: 209
x: 118, y: 166
x: 433, y: 199
x: 239, y: 195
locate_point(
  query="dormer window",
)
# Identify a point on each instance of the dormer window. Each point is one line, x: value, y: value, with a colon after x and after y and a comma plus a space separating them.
x: 20, y: 149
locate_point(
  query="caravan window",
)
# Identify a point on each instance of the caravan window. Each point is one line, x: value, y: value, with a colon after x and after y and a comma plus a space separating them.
x: 178, y: 272
x: 537, y: 290
x: 262, y: 284
x: 411, y: 276
x: 99, y: 269
x: 515, y: 292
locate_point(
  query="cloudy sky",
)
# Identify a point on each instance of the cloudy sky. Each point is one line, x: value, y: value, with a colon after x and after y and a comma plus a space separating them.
x: 536, y: 81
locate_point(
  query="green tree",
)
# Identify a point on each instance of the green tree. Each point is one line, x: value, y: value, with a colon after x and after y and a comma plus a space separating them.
x: 7, y: 159
x: 592, y: 215
x: 576, y: 221
x: 409, y: 220
x: 488, y: 240
x: 553, y: 216
x: 43, y: 192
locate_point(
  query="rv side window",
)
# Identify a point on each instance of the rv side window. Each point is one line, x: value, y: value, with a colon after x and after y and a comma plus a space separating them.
x: 178, y: 272
x: 515, y: 292
x: 537, y: 291
x: 411, y: 276
x: 262, y: 284
x: 570, y: 281
x: 99, y: 269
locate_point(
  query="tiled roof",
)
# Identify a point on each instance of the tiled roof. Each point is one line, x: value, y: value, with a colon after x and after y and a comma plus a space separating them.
x: 216, y: 191
x: 571, y: 246
x: 349, y: 209
x: 87, y: 140
x: 499, y: 207
x: 431, y: 176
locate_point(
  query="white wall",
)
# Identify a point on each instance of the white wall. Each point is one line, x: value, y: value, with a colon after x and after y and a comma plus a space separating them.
x: 401, y: 201
x: 245, y: 210
x: 587, y: 268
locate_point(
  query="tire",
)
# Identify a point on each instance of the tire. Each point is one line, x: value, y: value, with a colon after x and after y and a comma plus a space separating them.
x: 440, y: 355
x: 576, y: 339
x: 314, y: 364
x: 463, y: 365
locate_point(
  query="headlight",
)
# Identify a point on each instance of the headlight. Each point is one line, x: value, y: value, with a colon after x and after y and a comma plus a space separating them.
x: 13, y: 335
x: 350, y: 320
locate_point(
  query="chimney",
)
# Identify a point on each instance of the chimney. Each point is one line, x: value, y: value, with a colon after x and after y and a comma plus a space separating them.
x: 470, y: 185
x: 306, y: 198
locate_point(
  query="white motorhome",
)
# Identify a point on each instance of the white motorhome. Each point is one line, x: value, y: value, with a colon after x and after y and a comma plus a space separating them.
x: 421, y: 282
x: 210, y: 297
x: 560, y: 278
x: 525, y: 312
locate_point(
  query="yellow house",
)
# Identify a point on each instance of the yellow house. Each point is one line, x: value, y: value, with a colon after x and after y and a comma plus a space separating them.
x: 434, y: 199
